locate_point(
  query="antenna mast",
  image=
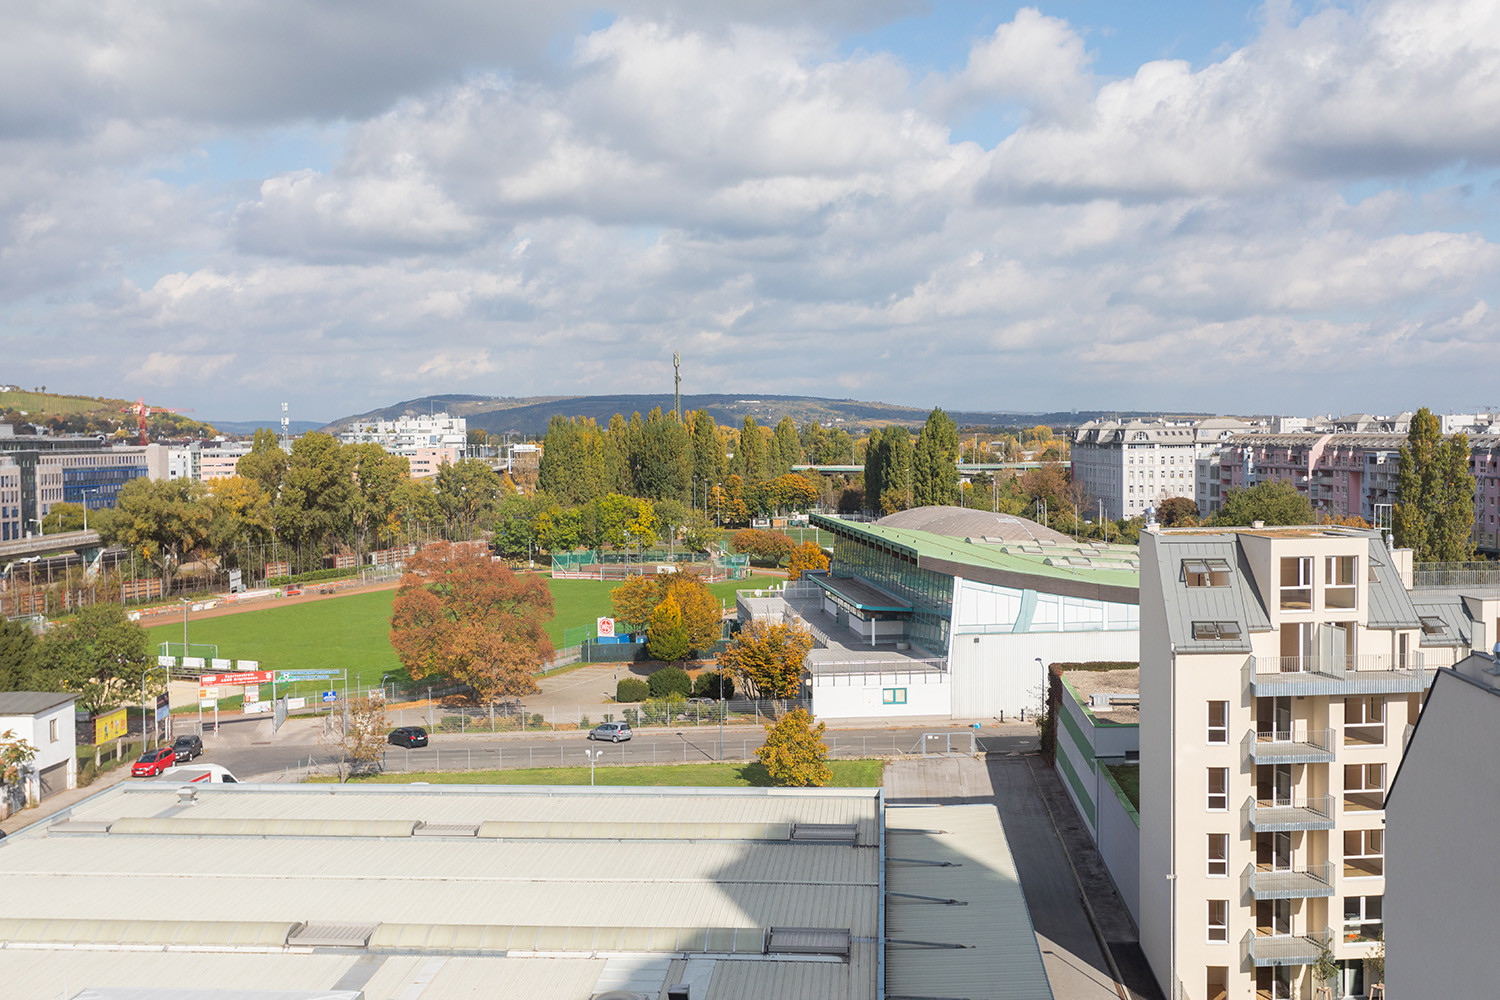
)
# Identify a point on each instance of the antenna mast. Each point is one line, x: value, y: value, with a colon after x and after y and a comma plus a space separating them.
x: 677, y: 384
x: 286, y: 427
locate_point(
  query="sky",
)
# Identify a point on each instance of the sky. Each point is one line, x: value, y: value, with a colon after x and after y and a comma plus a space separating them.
x: 1180, y: 206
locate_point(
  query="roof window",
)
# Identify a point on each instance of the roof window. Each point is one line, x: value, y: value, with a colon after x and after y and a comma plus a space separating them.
x: 1433, y: 625
x: 1205, y: 572
x: 1216, y: 630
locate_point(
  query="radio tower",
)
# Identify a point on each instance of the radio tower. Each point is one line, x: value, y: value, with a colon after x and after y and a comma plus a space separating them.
x: 286, y: 428
x: 677, y: 384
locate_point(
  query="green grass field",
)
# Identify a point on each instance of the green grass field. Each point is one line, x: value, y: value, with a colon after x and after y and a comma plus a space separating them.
x: 353, y: 632
x: 846, y: 774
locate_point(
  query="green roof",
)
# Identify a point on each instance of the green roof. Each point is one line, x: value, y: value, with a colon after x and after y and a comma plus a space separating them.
x: 1077, y: 564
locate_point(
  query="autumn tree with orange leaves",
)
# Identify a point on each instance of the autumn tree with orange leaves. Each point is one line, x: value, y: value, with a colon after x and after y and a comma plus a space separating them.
x: 460, y: 614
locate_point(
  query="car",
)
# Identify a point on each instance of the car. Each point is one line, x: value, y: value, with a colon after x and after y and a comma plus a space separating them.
x: 408, y: 736
x: 188, y: 747
x: 153, y: 762
x: 612, y: 731
x: 702, y: 701
x: 207, y: 773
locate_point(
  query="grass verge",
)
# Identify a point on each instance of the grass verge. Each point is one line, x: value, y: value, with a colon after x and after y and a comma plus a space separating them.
x: 846, y: 774
x: 1128, y: 776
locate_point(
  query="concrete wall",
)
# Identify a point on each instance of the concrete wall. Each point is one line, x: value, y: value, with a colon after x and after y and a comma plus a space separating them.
x: 1441, y: 907
x: 862, y: 696
x: 1118, y: 834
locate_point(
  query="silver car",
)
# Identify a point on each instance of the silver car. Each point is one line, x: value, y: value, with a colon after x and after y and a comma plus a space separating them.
x: 612, y: 731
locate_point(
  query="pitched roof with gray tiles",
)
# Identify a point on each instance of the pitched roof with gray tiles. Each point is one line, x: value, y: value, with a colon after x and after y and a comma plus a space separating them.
x: 32, y: 702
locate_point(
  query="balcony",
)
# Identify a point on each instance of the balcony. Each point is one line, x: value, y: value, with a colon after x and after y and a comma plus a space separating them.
x: 1289, y: 883
x: 1285, y: 949
x: 1314, y: 813
x: 1294, y: 746
x: 1281, y: 676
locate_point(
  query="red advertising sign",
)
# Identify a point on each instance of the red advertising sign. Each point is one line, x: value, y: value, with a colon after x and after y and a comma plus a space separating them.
x: 243, y: 677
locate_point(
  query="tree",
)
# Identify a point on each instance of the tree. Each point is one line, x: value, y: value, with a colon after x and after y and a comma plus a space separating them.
x: 786, y: 449
x: 666, y: 639
x: 708, y: 451
x: 16, y: 754
x: 1177, y: 512
x: 750, y: 456
x: 665, y: 461
x: 100, y: 654
x: 164, y: 520
x: 791, y: 492
x: 1435, y: 515
x: 934, y: 465
x: 633, y: 602
x: 806, y: 558
x: 466, y: 492
x: 1274, y: 502
x: 713, y: 684
x: 460, y: 614
x: 794, y: 752
x: 266, y: 462
x: 357, y: 738
x: 668, y: 681
x: 637, y: 599
x: 888, y: 462
x: 769, y: 547
x: 63, y: 517
x: 515, y: 525
x: 769, y: 655
x: 670, y: 515
x: 18, y: 656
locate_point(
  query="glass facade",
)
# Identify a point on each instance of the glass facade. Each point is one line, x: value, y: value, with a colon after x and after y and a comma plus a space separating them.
x: 97, y: 487
x: 930, y: 594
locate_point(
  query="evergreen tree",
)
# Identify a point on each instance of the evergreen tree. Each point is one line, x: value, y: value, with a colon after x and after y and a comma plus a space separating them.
x: 934, y: 462
x: 708, y: 453
x: 750, y: 455
x: 664, y: 466
x: 786, y: 450
x: 1435, y: 516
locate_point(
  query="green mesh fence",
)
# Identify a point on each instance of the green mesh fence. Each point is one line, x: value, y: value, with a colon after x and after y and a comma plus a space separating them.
x: 577, y: 635
x: 572, y: 561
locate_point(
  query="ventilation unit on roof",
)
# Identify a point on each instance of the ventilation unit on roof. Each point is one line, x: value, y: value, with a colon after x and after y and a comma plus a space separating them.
x: 621, y: 995
x: 809, y: 941
x: 825, y: 833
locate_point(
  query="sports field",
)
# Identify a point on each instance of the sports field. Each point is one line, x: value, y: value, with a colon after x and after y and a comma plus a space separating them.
x: 353, y: 632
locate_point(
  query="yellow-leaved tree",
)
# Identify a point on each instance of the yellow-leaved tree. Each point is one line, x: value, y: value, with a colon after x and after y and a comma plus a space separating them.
x: 794, y: 752
x: 806, y: 558
x: 769, y: 657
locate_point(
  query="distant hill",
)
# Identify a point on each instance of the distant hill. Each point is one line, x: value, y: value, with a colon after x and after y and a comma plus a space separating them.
x: 66, y: 414
x: 530, y: 415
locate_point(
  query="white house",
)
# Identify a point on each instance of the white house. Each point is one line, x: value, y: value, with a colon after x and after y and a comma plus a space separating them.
x: 43, y: 719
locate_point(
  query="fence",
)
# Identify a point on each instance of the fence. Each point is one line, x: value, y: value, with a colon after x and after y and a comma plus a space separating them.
x: 512, y: 717
x: 1456, y: 575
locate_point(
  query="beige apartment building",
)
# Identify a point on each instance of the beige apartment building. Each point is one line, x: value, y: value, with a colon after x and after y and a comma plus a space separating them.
x: 1280, y: 670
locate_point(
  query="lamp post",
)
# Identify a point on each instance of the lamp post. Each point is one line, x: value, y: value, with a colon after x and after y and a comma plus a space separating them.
x: 593, y: 756
x: 187, y: 602
x: 144, y: 674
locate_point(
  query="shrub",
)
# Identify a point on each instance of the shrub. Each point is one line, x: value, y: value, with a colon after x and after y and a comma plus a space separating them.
x: 794, y: 752
x: 609, y: 717
x: 583, y: 722
x: 632, y: 717
x: 713, y: 684
x: 538, y: 720
x: 632, y: 689
x: 669, y: 679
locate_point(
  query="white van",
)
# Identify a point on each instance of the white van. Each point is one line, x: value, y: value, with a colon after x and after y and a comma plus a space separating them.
x: 212, y: 773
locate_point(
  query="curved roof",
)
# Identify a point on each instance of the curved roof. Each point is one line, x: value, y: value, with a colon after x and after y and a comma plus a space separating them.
x: 964, y: 522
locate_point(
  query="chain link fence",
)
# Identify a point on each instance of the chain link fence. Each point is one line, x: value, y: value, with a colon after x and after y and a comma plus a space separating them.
x: 515, y: 716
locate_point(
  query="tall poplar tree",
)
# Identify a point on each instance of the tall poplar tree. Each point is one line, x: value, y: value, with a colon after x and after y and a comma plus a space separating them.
x: 1435, y: 516
x: 935, y: 462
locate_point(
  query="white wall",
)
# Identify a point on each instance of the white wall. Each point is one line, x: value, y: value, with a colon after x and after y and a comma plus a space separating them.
x: 999, y: 672
x: 860, y: 696
x: 1119, y: 838
x: 37, y: 730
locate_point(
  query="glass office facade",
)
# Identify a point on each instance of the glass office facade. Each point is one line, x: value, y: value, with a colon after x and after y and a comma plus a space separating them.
x: 930, y: 594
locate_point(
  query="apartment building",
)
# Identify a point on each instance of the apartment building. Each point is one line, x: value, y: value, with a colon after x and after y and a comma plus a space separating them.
x: 1349, y: 473
x: 420, y: 431
x: 1132, y: 466
x: 1280, y: 669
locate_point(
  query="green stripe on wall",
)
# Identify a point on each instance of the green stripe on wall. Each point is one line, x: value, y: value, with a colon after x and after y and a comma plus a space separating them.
x: 1084, y: 797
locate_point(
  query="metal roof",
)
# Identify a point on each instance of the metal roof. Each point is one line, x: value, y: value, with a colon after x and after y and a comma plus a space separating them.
x: 1390, y: 604
x: 966, y: 522
x: 297, y: 873
x: 984, y: 948
x: 1236, y: 602
x: 32, y: 702
x: 1449, y: 607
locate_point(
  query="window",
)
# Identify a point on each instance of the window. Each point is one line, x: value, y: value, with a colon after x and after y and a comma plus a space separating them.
x: 1363, y: 917
x: 1218, y: 855
x: 1218, y: 920
x: 1364, y: 853
x: 1216, y: 984
x: 1216, y: 630
x: 1339, y: 588
x: 1432, y: 625
x: 1296, y: 583
x: 1205, y: 572
x: 1364, y: 787
x: 893, y: 696
x: 1218, y: 722
x: 1218, y: 789
x: 1364, y: 721
x: 52, y: 730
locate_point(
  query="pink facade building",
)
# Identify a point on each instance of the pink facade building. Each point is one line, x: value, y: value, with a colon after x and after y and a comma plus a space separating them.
x: 1354, y: 474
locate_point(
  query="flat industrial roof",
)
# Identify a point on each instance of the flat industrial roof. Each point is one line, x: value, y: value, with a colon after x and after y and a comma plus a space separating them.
x: 511, y: 890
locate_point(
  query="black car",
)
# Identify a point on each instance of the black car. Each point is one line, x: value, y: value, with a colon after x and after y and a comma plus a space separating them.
x: 408, y: 736
x: 187, y: 747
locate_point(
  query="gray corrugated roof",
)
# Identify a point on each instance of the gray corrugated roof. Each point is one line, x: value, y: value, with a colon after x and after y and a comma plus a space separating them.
x: 32, y: 702
x: 1390, y: 604
x: 1185, y: 605
x: 1450, y: 608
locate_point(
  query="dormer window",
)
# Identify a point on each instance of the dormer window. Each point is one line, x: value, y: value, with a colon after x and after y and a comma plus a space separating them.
x: 1205, y: 572
x: 1433, y: 625
x: 1216, y: 630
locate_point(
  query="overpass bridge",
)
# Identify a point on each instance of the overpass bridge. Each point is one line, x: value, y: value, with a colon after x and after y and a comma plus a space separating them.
x: 964, y: 468
x: 59, y: 543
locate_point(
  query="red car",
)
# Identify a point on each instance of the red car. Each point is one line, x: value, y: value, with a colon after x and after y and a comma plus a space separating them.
x: 153, y: 762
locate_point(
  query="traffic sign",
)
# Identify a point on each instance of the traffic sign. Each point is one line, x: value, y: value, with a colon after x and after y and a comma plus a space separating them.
x: 330, y: 696
x: 287, y: 676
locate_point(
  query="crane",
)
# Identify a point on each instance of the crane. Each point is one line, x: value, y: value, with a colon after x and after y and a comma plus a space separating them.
x: 142, y: 411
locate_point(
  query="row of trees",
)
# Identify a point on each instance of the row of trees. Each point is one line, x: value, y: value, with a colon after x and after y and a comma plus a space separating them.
x: 99, y: 653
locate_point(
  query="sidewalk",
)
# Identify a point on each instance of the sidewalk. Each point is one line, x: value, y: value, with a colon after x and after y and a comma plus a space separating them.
x: 55, y: 804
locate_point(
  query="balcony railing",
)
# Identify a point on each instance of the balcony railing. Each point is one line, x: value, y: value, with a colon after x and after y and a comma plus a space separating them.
x: 1296, y: 745
x: 1304, y: 813
x: 1285, y: 949
x: 1365, y: 674
x: 1289, y: 883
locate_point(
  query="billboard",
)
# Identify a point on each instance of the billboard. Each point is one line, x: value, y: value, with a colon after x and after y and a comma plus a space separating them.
x: 163, y: 708
x: 241, y: 677
x: 109, y: 726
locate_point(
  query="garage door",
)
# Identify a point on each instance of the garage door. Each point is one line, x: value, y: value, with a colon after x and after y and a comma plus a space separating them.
x: 54, y: 779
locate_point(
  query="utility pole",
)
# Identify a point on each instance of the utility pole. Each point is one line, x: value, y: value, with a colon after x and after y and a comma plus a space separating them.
x: 677, y: 384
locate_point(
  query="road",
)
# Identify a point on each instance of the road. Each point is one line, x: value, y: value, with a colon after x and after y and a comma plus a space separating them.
x: 244, y: 746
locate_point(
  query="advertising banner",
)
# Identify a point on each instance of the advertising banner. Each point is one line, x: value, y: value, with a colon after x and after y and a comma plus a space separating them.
x: 193, y: 662
x: 241, y: 677
x: 163, y: 707
x: 605, y: 627
x: 252, y: 695
x: 166, y: 661
x: 288, y: 676
x: 222, y: 666
x: 109, y: 726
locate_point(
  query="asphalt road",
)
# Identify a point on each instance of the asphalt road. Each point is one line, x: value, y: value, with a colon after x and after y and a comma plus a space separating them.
x: 244, y: 747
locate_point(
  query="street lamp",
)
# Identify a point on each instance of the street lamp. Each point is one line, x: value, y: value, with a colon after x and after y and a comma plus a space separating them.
x: 187, y: 602
x: 593, y: 756
x: 144, y: 673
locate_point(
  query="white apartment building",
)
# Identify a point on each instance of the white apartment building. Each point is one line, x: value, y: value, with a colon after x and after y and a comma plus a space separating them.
x: 1132, y: 466
x: 437, y: 430
x: 1280, y: 669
